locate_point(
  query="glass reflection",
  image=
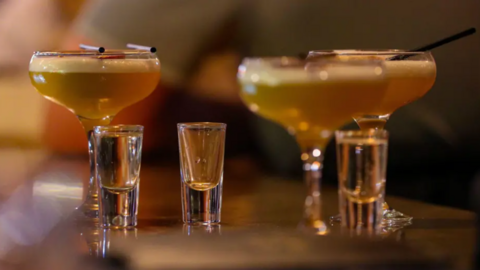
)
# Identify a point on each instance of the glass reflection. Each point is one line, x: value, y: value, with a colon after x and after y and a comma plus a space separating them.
x: 202, y: 230
x: 99, y: 241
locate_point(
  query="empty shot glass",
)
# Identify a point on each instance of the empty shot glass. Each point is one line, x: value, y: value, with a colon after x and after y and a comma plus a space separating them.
x: 362, y: 164
x: 201, y: 148
x: 118, y: 155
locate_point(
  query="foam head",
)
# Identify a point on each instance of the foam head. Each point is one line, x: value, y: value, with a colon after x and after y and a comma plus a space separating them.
x: 271, y: 71
x: 93, y: 65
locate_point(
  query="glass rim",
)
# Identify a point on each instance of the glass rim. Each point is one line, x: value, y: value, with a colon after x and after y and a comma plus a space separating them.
x: 293, y: 61
x: 362, y: 134
x: 118, y: 129
x: 272, y: 58
x: 368, y: 52
x: 202, y: 125
x: 64, y: 53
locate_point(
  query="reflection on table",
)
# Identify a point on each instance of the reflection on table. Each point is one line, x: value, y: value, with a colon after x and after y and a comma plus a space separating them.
x: 255, y: 206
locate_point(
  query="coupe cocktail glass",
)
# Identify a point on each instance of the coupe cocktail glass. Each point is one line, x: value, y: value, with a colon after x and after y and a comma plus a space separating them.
x: 311, y: 99
x: 410, y: 76
x: 95, y: 87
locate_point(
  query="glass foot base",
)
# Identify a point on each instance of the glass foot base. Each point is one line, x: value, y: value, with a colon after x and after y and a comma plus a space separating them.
x: 88, y: 211
x: 391, y: 219
x: 313, y: 227
x: 336, y: 218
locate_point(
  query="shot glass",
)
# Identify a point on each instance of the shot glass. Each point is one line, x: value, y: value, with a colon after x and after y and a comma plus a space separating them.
x: 118, y: 155
x: 201, y: 148
x: 362, y: 164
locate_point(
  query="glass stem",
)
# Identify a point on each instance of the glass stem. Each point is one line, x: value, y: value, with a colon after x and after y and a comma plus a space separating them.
x: 312, y: 167
x: 367, y: 122
x: 90, y: 205
x: 92, y: 195
x: 378, y: 123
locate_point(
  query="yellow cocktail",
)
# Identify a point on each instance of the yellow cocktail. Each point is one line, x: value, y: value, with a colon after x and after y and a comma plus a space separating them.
x: 409, y: 79
x: 95, y: 87
x: 410, y: 76
x: 311, y: 100
x: 313, y: 110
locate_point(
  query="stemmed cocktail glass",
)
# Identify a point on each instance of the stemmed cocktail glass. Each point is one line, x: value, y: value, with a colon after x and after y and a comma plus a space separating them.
x: 311, y: 99
x: 410, y: 75
x: 94, y: 86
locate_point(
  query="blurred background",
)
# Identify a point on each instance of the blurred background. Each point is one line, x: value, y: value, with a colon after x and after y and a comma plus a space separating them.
x: 434, y: 146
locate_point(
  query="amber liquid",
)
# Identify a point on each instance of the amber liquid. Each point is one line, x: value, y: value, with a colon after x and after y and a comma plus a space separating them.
x: 402, y: 91
x: 408, y: 81
x: 313, y: 110
x: 95, y: 97
x: 201, y: 157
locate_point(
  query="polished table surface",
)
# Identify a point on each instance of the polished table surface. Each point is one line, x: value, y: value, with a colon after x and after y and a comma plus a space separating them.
x: 251, y: 201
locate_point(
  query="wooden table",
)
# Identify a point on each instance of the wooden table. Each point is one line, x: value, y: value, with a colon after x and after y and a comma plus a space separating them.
x: 271, y: 202
x: 256, y: 202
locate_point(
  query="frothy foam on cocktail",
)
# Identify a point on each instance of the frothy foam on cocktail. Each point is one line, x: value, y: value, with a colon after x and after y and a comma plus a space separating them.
x: 410, y: 68
x: 258, y: 72
x: 403, y: 68
x: 94, y: 65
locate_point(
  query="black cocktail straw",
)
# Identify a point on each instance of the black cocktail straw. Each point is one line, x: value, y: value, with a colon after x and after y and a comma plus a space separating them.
x: 436, y: 44
x: 141, y: 47
x: 92, y: 48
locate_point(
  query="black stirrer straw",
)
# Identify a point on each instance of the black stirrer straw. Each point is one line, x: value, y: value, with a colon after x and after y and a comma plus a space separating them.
x: 141, y: 47
x: 92, y: 48
x: 436, y: 44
